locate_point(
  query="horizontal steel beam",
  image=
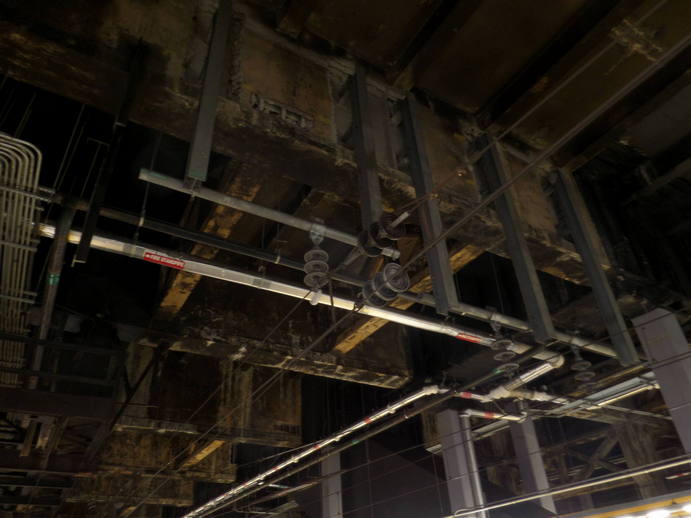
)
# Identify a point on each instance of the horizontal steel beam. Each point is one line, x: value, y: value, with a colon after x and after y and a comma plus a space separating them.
x: 257, y: 210
x: 40, y: 482
x: 62, y: 346
x: 37, y: 402
x: 39, y: 501
x: 68, y: 465
x: 58, y: 377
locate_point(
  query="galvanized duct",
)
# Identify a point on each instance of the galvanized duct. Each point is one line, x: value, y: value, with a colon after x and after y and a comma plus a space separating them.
x: 20, y: 164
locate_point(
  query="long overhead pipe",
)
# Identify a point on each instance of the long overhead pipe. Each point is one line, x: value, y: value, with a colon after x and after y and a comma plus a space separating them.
x: 208, y: 269
x: 567, y: 488
x: 253, y: 208
x: 219, y: 501
x: 252, y: 484
x: 426, y: 299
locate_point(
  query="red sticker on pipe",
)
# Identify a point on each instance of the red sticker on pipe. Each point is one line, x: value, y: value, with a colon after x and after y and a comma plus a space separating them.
x: 466, y: 395
x: 164, y: 260
x: 489, y: 415
x: 469, y: 338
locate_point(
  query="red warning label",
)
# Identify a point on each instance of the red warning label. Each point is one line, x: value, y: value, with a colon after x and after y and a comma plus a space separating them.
x: 171, y: 262
x: 468, y: 338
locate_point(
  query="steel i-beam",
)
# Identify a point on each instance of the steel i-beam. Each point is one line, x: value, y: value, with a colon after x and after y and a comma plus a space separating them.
x: 588, y: 244
x: 495, y: 170
x: 443, y: 285
x: 363, y: 139
x: 200, y: 149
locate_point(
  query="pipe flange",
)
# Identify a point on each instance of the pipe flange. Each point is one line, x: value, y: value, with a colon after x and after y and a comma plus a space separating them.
x: 584, y: 376
x: 504, y: 356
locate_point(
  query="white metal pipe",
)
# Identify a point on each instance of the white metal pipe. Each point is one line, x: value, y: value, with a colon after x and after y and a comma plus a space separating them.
x: 207, y: 269
x: 473, y: 469
x: 507, y: 389
x: 472, y: 395
x: 253, y: 208
x: 217, y: 502
x: 471, y: 412
x: 644, y: 470
x: 200, y: 267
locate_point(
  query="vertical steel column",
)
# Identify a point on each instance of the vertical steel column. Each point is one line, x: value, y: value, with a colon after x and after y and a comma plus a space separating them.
x: 460, y: 464
x: 332, y: 495
x: 495, y: 171
x: 467, y: 432
x: 443, y: 285
x: 587, y: 243
x: 365, y: 156
x: 668, y: 350
x: 200, y: 149
x: 530, y: 464
x: 55, y: 264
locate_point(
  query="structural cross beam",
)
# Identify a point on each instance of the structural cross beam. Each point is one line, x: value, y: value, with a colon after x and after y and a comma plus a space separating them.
x: 444, y: 288
x: 588, y: 244
x: 200, y: 149
x: 363, y: 139
x: 495, y: 171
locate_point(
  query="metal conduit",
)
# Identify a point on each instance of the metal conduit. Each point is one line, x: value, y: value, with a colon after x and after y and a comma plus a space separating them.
x: 194, y: 265
x: 471, y: 412
x: 20, y: 163
x: 426, y: 299
x: 257, y: 210
x: 217, y: 502
x: 233, y: 494
x: 630, y: 473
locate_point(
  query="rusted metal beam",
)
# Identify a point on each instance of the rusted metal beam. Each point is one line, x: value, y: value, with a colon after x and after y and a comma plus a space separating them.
x: 282, y: 356
x: 221, y: 222
x: 200, y: 453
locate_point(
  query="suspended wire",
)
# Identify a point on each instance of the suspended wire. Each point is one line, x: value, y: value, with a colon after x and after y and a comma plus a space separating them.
x: 509, y: 183
x: 213, y: 393
x: 257, y: 393
x: 609, y: 406
x: 543, y: 155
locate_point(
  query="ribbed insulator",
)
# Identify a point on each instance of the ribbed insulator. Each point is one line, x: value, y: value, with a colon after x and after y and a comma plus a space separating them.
x: 316, y: 268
